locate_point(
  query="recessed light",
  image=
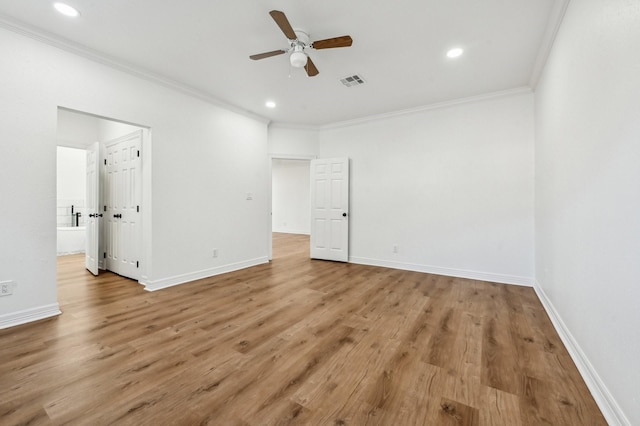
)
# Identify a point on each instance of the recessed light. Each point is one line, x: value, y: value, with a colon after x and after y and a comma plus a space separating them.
x: 270, y: 104
x: 65, y: 9
x: 455, y: 52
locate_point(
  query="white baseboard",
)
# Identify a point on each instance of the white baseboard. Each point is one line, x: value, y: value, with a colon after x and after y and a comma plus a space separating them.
x: 28, y: 315
x: 606, y: 402
x: 154, y: 285
x: 450, y: 272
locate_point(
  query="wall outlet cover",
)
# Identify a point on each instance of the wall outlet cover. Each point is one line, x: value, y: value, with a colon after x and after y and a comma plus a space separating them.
x: 6, y: 288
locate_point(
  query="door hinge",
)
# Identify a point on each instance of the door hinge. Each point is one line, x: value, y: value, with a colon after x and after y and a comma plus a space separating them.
x: 105, y: 161
x: 138, y: 209
x: 137, y: 264
x: 104, y: 255
x: 105, y: 208
x: 138, y: 153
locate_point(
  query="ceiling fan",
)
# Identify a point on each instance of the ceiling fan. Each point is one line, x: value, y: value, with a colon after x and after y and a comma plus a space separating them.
x: 298, y: 42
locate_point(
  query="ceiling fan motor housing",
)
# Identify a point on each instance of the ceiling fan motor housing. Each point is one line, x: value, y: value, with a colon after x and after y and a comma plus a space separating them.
x: 302, y: 37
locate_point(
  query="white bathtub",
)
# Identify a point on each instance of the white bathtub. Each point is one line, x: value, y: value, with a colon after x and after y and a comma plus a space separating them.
x: 71, y: 240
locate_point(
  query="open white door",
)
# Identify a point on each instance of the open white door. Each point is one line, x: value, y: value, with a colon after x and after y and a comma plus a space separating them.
x: 330, y: 209
x: 93, y: 209
x: 123, y: 199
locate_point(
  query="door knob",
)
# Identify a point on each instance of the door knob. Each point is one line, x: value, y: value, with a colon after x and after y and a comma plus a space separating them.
x: 118, y: 216
x: 92, y: 215
x: 344, y: 215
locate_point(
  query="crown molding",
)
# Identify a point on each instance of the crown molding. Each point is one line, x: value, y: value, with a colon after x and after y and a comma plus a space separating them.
x: 447, y: 104
x: 67, y: 45
x: 548, y: 39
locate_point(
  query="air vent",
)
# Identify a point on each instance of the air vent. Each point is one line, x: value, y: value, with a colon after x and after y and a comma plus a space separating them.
x: 352, y: 80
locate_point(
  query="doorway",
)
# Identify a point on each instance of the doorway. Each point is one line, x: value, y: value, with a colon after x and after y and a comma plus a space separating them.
x: 290, y: 196
x: 80, y: 130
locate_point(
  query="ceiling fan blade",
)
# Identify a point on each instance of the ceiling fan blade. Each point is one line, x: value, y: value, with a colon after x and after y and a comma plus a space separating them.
x: 328, y: 43
x: 310, y: 68
x: 267, y: 54
x: 283, y: 23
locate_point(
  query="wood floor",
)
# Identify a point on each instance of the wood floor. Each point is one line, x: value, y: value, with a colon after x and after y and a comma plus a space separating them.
x: 292, y: 342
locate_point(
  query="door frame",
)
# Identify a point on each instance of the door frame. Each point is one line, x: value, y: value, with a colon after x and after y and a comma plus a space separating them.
x: 146, y: 202
x: 270, y: 193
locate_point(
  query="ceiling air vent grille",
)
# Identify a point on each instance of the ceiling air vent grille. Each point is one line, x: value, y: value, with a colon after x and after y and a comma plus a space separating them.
x: 352, y: 80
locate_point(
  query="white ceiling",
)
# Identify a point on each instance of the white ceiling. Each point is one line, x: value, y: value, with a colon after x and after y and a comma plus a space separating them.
x: 399, y: 48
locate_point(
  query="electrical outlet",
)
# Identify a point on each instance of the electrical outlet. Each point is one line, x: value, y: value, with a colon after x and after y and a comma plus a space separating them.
x: 215, y: 252
x: 395, y: 248
x: 6, y: 288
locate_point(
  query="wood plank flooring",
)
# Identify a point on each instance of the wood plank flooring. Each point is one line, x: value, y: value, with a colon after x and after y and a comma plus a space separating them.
x: 296, y: 341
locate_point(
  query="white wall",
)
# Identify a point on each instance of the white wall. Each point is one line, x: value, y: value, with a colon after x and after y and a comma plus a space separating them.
x: 290, y: 196
x: 205, y: 159
x: 71, y: 173
x: 451, y: 187
x: 587, y: 194
x: 293, y: 142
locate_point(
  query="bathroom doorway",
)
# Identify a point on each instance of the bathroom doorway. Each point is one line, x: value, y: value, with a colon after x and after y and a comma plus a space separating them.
x: 78, y: 135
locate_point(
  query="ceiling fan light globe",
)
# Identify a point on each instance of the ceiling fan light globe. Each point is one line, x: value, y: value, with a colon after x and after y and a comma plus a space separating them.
x: 298, y: 59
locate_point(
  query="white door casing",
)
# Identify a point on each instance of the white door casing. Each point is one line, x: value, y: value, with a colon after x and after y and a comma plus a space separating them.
x: 93, y: 211
x: 123, y: 200
x: 330, y: 209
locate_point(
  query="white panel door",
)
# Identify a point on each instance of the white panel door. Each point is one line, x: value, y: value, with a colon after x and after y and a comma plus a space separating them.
x: 330, y: 209
x: 93, y: 210
x: 123, y: 197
